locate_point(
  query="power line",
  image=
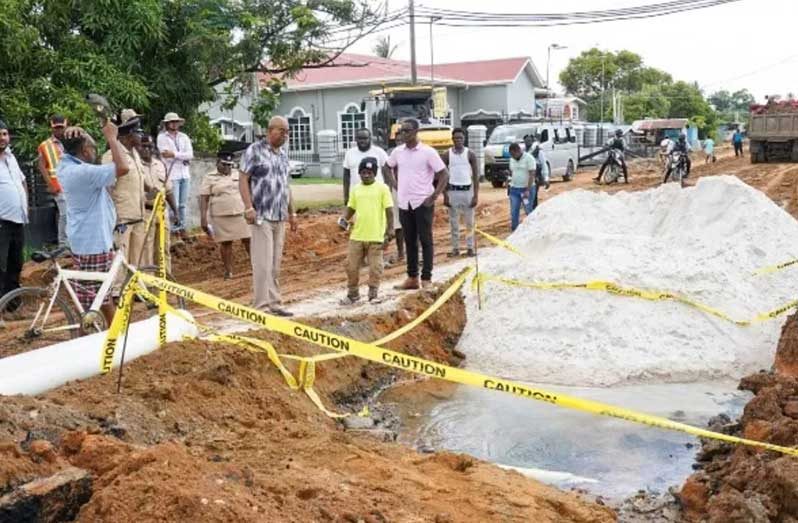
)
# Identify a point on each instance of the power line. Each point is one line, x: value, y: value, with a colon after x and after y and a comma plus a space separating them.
x: 454, y: 18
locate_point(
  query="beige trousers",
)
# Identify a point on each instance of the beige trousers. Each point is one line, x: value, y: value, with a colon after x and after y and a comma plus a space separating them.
x: 131, y: 242
x: 372, y: 251
x: 151, y: 246
x: 266, y: 254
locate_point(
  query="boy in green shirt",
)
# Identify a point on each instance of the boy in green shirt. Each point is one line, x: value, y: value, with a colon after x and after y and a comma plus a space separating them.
x: 371, y: 201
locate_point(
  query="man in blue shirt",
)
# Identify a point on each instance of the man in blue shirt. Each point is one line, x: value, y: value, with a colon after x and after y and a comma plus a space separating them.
x: 91, y: 215
x: 13, y: 214
x: 737, y: 140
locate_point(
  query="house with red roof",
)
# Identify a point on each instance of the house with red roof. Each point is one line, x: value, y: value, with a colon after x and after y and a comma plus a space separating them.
x: 329, y: 98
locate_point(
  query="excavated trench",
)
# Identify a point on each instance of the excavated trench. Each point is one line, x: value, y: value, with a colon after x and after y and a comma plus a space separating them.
x: 207, y: 431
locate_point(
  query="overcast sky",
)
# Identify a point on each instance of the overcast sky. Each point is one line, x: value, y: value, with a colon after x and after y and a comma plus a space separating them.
x: 749, y: 44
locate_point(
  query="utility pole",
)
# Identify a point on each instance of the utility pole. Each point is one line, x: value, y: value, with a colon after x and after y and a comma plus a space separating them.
x: 601, y: 116
x: 556, y: 47
x: 432, y: 20
x: 413, y: 71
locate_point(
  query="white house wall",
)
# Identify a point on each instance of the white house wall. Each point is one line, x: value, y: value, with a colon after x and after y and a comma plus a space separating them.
x: 488, y: 98
x: 521, y: 95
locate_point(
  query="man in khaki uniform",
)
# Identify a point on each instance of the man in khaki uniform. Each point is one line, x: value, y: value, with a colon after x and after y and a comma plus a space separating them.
x: 155, y: 180
x: 128, y: 193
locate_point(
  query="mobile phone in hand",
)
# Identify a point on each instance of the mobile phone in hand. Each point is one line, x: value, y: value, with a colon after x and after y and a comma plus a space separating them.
x: 343, y: 224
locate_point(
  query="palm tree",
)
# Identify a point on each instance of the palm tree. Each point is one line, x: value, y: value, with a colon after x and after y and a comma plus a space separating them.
x: 383, y: 47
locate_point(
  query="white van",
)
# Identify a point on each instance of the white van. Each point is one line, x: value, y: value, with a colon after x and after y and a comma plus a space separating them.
x: 558, y: 143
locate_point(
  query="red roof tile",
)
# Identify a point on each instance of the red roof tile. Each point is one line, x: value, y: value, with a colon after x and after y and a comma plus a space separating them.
x: 356, y: 69
x: 503, y: 70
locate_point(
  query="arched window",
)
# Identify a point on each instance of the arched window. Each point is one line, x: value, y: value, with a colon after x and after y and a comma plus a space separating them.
x: 300, y: 131
x: 349, y: 121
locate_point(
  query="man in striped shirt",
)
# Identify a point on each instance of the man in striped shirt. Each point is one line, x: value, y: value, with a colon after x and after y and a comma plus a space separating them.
x: 50, y: 153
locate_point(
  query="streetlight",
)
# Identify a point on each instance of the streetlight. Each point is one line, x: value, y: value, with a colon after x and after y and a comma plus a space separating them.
x: 556, y: 47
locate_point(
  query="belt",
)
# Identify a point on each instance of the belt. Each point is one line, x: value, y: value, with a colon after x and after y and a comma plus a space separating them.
x: 458, y: 187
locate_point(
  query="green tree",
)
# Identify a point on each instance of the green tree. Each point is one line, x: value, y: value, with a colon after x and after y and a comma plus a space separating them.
x: 156, y: 56
x: 687, y: 101
x: 731, y: 106
x: 383, y: 47
x: 649, y: 102
x: 595, y: 73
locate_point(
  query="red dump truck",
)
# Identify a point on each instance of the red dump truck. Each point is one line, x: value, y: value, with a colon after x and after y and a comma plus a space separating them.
x: 773, y: 132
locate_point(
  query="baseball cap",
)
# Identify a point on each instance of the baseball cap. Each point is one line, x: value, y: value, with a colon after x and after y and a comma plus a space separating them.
x: 369, y: 162
x: 58, y: 121
x: 225, y: 157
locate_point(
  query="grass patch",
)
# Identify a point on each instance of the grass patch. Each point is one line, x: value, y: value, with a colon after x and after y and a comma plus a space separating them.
x: 316, y: 181
x: 325, y: 206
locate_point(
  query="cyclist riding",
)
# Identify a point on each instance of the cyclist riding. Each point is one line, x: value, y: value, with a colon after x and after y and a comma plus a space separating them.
x: 616, y: 146
x: 680, y: 146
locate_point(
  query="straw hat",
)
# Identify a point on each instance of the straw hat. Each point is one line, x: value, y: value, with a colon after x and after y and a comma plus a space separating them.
x: 127, y: 114
x: 172, y: 117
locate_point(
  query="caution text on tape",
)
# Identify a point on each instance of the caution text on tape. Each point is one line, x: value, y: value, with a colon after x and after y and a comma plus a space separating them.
x: 417, y: 365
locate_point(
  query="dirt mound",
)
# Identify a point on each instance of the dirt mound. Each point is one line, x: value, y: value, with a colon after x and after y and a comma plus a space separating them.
x: 743, y: 484
x: 210, y: 432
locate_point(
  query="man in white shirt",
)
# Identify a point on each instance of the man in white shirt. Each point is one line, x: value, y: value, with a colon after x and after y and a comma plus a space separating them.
x: 177, y: 153
x: 462, y: 192
x: 13, y: 214
x: 364, y: 148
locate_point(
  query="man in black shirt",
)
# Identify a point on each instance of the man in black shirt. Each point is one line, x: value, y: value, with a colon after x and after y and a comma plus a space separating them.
x: 617, y: 144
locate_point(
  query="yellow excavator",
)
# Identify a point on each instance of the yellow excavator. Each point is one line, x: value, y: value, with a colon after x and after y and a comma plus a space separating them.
x: 390, y: 105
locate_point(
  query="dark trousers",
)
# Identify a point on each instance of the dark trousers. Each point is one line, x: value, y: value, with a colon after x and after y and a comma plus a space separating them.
x: 738, y: 149
x: 607, y: 163
x: 12, y: 243
x: 417, y: 225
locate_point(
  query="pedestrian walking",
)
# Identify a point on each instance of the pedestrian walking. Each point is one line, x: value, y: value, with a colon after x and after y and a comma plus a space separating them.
x: 364, y: 148
x: 542, y: 174
x: 177, y: 152
x: 268, y: 205
x: 462, y: 191
x: 91, y: 215
x: 50, y: 152
x: 13, y: 214
x: 709, y: 150
x: 371, y: 204
x: 522, y: 188
x: 129, y: 192
x: 220, y: 195
x: 421, y: 176
x: 737, y: 141
x: 156, y: 181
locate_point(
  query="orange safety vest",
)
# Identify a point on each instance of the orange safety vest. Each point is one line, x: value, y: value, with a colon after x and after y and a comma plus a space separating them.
x: 51, y: 152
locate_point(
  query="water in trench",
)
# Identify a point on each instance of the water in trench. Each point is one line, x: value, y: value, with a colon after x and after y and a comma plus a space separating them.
x: 605, y: 456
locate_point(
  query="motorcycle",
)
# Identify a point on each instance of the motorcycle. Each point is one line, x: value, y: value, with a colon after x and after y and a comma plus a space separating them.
x: 678, y: 167
x: 615, y: 169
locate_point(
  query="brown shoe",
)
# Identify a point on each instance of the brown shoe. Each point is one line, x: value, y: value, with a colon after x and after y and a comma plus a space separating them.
x: 410, y: 284
x: 426, y: 284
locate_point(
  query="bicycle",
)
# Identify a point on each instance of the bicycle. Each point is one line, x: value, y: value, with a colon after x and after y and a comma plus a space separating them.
x: 54, y: 312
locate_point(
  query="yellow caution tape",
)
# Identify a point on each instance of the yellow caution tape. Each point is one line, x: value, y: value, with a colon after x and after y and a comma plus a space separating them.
x: 118, y: 324
x: 613, y: 288
x: 424, y: 367
x: 774, y: 268
x: 306, y: 368
x: 501, y: 243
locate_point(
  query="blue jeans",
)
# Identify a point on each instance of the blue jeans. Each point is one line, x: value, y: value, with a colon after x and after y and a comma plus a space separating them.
x: 516, y: 195
x: 181, y: 189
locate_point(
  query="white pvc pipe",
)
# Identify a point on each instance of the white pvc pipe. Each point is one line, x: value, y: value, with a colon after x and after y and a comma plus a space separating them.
x: 43, y: 369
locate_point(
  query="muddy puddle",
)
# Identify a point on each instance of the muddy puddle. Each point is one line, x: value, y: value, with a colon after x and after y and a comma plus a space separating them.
x: 607, y: 457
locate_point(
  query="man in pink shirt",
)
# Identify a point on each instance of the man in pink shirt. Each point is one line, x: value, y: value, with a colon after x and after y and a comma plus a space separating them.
x: 422, y: 177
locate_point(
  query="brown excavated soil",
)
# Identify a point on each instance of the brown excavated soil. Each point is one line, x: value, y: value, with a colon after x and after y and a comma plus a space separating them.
x: 210, y: 432
x: 742, y: 484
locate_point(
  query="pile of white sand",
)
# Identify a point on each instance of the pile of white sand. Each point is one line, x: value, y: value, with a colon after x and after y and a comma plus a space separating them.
x: 703, y: 242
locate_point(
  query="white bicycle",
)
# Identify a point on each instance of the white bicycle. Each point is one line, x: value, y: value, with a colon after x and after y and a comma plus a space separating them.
x: 53, y: 312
